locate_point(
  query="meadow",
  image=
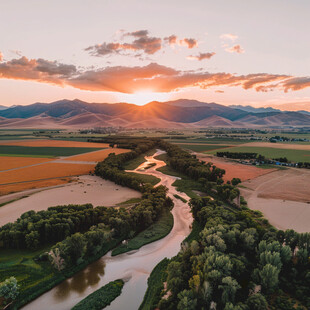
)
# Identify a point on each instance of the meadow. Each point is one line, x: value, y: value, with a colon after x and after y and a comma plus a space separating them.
x: 13, y: 150
x: 270, y: 152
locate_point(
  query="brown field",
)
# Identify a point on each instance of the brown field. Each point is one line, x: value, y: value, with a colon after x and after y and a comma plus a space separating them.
x: 97, y: 155
x: 302, y: 147
x: 8, y: 189
x: 7, y: 162
x: 235, y: 170
x: 44, y: 171
x: 54, y: 143
x: 283, y: 196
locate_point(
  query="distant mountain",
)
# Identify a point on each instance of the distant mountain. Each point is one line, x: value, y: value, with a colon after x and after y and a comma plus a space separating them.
x: 249, y: 108
x: 180, y: 113
x: 3, y: 107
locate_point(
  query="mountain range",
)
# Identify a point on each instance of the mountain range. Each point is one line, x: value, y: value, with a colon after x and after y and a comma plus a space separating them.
x: 182, y: 113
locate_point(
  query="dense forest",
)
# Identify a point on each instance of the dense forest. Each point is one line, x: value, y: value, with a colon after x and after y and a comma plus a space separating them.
x: 238, y: 262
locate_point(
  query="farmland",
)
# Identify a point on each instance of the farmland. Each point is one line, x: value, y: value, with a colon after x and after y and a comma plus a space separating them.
x: 270, y: 152
x: 30, y: 164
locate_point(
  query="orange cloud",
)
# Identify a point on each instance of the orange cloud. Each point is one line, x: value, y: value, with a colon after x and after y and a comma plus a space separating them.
x: 189, y: 42
x: 132, y: 79
x: 201, y: 56
x: 171, y: 40
x: 1, y: 56
x: 235, y: 49
x: 39, y: 70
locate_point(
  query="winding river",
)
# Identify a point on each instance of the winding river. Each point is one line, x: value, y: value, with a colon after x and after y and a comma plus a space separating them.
x: 134, y: 267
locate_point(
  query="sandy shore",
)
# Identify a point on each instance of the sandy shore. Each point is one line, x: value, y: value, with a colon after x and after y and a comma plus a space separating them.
x: 88, y: 189
x: 283, y: 196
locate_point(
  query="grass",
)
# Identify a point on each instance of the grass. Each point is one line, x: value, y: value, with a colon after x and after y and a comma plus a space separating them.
x: 145, y: 178
x: 187, y: 186
x: 136, y: 162
x: 179, y: 197
x: 127, y: 202
x: 9, y: 150
x: 36, y: 277
x: 155, y: 286
x: 156, y: 231
x: 101, y: 298
x: 201, y: 148
x: 269, y: 152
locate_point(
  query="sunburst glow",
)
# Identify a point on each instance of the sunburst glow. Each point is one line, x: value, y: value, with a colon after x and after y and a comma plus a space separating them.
x: 144, y: 97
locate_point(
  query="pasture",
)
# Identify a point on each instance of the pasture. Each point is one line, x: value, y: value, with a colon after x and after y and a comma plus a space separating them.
x: 291, y: 154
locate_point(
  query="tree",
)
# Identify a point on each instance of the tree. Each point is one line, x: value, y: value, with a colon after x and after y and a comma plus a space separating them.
x: 9, y: 289
x: 229, y: 287
x: 32, y: 240
x: 269, y: 277
x: 56, y: 260
x: 75, y: 247
x: 235, y: 181
x: 257, y: 302
x: 187, y: 301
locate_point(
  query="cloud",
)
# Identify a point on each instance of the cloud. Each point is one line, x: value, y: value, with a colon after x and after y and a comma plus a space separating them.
x: 189, y: 42
x: 156, y: 77
x: 39, y: 70
x: 171, y: 40
x: 138, y: 33
x: 229, y: 36
x: 219, y: 91
x: 1, y: 56
x: 142, y: 42
x: 235, y: 49
x: 201, y: 56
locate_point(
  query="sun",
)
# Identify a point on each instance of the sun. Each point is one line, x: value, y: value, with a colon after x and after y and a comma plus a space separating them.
x: 144, y: 97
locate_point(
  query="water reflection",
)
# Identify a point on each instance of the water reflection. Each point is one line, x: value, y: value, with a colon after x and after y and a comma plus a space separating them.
x: 81, y: 281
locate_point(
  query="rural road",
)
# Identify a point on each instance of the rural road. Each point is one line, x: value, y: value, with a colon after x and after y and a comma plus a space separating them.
x: 133, y: 266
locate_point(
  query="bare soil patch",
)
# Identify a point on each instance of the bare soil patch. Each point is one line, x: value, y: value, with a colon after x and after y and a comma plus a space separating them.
x: 283, y: 196
x: 235, y: 170
x: 86, y: 189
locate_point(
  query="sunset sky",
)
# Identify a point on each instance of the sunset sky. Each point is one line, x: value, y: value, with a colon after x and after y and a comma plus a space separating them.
x: 229, y: 52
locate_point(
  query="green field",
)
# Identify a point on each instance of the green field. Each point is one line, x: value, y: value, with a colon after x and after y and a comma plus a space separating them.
x: 145, y: 178
x: 136, y: 162
x: 269, y: 152
x: 156, y: 231
x: 201, y: 148
x: 13, y: 150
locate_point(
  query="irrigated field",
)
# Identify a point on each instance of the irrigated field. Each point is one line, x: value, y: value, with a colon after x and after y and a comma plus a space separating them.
x: 44, y: 151
x: 200, y: 147
x: 55, y: 143
x: 292, y: 154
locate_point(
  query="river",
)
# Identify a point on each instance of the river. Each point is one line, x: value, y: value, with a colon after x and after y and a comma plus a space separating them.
x: 134, y: 267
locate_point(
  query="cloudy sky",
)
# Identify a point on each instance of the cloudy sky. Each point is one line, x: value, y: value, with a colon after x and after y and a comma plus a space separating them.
x: 229, y: 52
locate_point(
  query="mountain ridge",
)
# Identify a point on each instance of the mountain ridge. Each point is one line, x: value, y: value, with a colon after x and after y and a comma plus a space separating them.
x: 171, y: 114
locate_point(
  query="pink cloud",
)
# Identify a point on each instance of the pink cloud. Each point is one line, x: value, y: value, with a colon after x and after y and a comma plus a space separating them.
x: 156, y: 77
x: 229, y: 36
x: 201, y: 56
x: 235, y: 49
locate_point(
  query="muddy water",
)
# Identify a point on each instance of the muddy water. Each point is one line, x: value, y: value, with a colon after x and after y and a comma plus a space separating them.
x: 134, y: 267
